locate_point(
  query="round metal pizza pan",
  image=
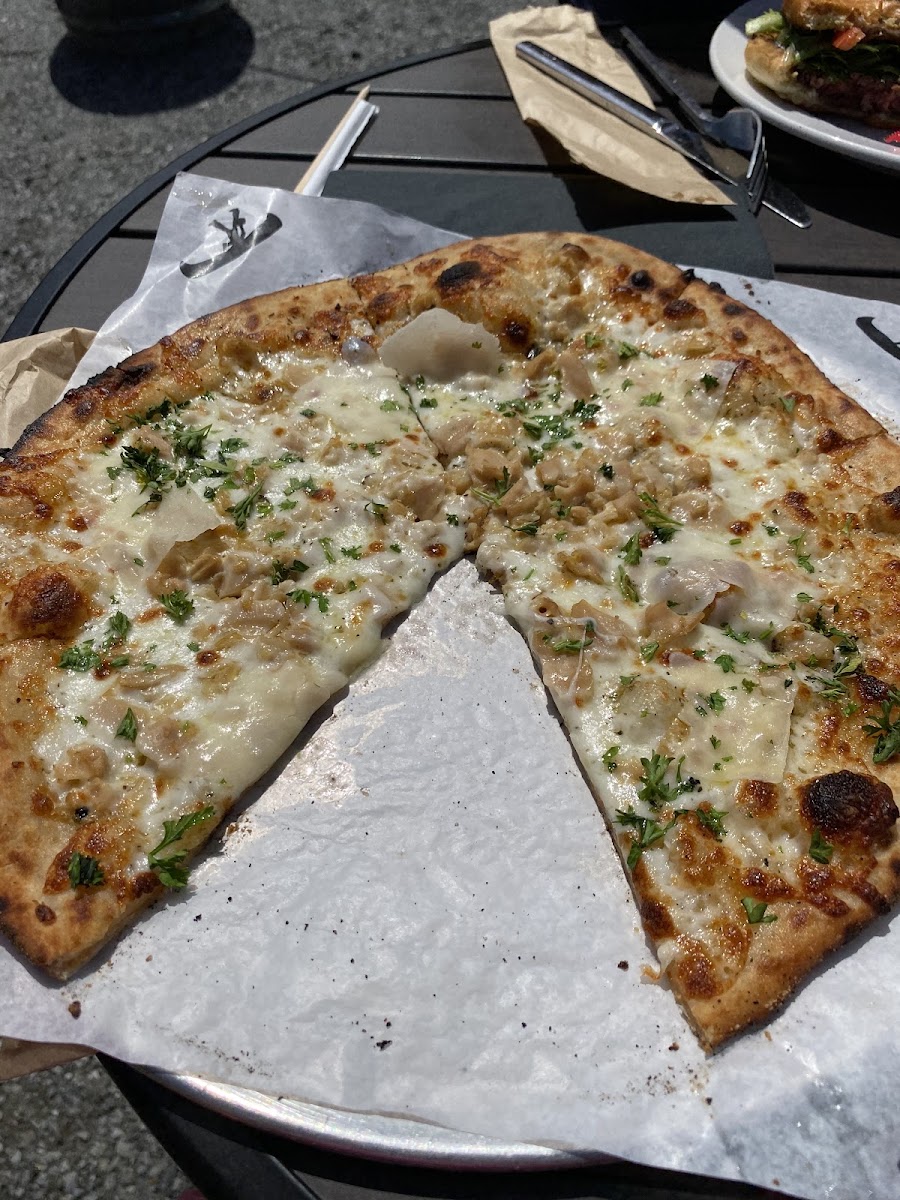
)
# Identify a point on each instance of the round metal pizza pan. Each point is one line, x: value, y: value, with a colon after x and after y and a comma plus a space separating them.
x: 369, y: 1135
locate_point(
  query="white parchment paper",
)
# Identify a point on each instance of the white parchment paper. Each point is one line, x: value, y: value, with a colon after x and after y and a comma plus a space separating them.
x: 420, y: 913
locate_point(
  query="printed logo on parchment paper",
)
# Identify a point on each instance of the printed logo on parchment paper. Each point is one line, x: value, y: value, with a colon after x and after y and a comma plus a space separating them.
x: 237, y: 242
x: 878, y: 336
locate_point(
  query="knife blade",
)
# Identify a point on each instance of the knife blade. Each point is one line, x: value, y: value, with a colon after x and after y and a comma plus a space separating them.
x: 611, y: 100
x: 776, y: 197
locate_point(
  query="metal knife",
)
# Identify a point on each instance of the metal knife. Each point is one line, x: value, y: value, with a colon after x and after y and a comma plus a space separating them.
x: 611, y: 100
x: 777, y: 197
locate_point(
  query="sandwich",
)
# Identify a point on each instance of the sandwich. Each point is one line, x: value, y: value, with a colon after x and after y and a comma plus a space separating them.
x: 836, y: 56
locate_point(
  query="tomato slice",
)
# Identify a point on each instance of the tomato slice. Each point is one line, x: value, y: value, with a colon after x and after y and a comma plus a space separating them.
x: 846, y: 39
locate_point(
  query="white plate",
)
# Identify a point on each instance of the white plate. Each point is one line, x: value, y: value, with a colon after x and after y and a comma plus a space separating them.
x: 726, y: 57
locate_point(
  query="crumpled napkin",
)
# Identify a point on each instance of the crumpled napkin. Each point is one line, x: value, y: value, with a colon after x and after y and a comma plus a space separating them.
x: 592, y: 137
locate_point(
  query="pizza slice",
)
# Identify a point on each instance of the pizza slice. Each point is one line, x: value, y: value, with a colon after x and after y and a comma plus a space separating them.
x: 251, y: 503
x: 691, y: 527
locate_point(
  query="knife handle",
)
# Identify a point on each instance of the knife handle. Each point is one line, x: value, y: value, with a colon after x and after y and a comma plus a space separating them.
x: 608, y: 98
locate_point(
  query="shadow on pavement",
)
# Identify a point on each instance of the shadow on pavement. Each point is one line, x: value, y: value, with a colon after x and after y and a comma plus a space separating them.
x: 173, y: 74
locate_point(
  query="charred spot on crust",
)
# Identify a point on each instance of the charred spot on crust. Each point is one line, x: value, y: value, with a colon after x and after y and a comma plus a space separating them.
x: 695, y: 972
x: 46, y: 603
x: 143, y: 883
x: 731, y: 309
x: 847, y: 805
x: 830, y: 440
x: 656, y: 919
x: 871, y: 689
x: 642, y: 280
x: 796, y: 502
x: 757, y: 797
x: 738, y: 335
x: 44, y: 914
x: 458, y: 275
x: 516, y: 332
x: 680, y: 309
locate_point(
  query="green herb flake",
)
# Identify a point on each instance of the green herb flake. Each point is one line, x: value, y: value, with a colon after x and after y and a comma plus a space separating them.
x: 281, y: 571
x: 726, y: 662
x: 428, y: 402
x: 716, y: 701
x: 302, y: 596
x: 710, y: 382
x: 661, y: 524
x: 452, y: 519
x: 711, y: 819
x: 756, y: 912
x: 84, y: 871
x: 499, y: 490
x: 803, y: 560
x: 571, y: 645
x: 885, y: 730
x: 354, y: 552
x: 610, y: 758
x: 651, y: 399
x: 625, y: 584
x: 378, y: 509
x: 820, y: 850
x: 648, y: 651
x: 127, y: 727
x: 325, y: 543
x: 170, y: 871
x: 82, y: 657
x: 396, y: 547
x: 647, y: 833
x: 631, y: 551
x: 178, y: 605
x: 654, y: 790
x: 626, y: 350
x: 117, y: 629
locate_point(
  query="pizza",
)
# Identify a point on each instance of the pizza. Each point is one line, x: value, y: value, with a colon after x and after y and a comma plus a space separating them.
x: 695, y: 532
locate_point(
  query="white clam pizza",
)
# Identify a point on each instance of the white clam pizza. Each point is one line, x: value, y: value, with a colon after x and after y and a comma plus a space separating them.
x: 697, y: 534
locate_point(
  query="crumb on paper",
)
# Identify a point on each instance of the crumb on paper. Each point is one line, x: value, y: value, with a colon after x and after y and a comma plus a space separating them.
x: 622, y: 964
x: 75, y: 1009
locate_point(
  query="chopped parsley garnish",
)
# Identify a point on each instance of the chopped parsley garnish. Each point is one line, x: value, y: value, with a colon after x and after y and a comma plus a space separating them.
x: 631, y: 551
x: 820, y: 850
x: 84, y: 871
x: 803, y: 560
x: 592, y: 340
x: 606, y: 470
x: 325, y: 543
x: 648, y: 833
x: 749, y: 686
x: 743, y: 636
x: 803, y: 598
x: 711, y: 819
x: 716, y: 701
x: 171, y: 873
x: 626, y: 350
x: 178, y: 605
x: 390, y: 406
x: 127, y: 727
x: 709, y: 382
x: 301, y: 596
x: 194, y: 647
x: 242, y: 511
x: 452, y: 519
x: 82, y: 657
x: 396, y: 547
x: 648, y: 651
x: 885, y: 730
x: 281, y: 570
x: 654, y: 790
x: 571, y: 645
x: 772, y: 530
x: 583, y: 410
x: 553, y: 427
x: 756, y: 912
x: 662, y: 525
x: 788, y: 403
x: 726, y: 662
x: 275, y: 536
x: 117, y: 629
x: 378, y: 509
x: 651, y: 399
x: 428, y: 402
x: 354, y: 552
x: 188, y: 441
x: 530, y: 528
x: 625, y: 584
x: 610, y: 758
x: 230, y: 446
x: 500, y: 488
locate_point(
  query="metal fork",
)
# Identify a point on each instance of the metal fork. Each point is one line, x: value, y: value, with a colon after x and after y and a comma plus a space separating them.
x: 739, y: 129
x: 669, y: 132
